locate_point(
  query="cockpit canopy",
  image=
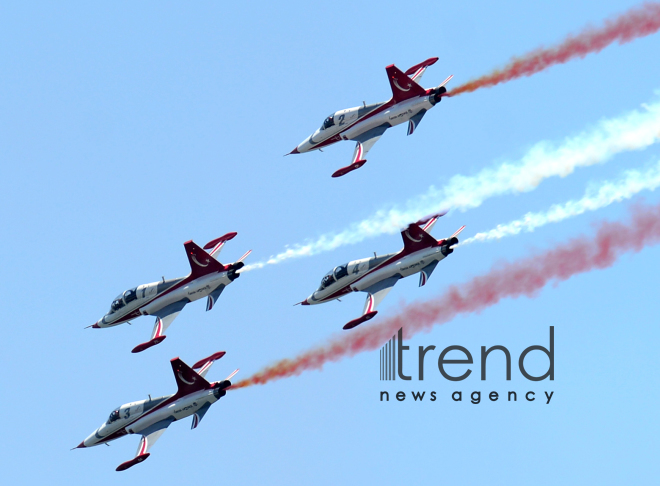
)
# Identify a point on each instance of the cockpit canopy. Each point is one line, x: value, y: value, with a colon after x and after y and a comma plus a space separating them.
x: 122, y: 299
x: 113, y: 416
x: 333, y: 275
x: 329, y: 122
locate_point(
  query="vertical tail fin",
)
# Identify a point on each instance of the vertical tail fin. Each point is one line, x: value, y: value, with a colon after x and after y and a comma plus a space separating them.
x: 201, y: 263
x: 403, y: 88
x: 186, y: 378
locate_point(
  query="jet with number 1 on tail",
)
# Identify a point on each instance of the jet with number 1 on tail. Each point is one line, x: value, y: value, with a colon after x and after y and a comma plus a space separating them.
x: 150, y: 418
x: 366, y: 124
x: 377, y: 275
x: 165, y: 300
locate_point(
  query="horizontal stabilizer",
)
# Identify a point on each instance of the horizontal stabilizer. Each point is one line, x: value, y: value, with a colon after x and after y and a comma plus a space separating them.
x: 199, y: 415
x: 232, y: 375
x: 414, y: 121
x: 446, y: 81
x: 245, y: 255
x: 213, y: 297
x: 458, y: 231
x: 426, y: 272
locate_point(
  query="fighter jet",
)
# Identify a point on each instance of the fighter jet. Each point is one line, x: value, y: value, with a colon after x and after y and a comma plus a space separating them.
x: 377, y: 275
x: 151, y: 417
x: 366, y: 124
x: 208, y: 278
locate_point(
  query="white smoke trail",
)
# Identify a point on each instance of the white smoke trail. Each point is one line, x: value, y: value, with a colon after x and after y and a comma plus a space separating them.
x: 597, y: 196
x: 635, y: 130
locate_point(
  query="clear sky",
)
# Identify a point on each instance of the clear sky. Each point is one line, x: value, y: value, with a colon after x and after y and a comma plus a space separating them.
x: 128, y: 129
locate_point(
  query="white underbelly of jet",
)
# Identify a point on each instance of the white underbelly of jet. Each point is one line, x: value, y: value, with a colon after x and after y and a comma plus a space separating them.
x: 395, y: 115
x: 192, y: 291
x: 405, y: 267
x: 182, y: 408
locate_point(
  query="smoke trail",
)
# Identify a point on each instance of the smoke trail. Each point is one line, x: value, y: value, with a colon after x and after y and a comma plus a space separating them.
x: 631, y: 183
x: 635, y: 23
x: 524, y: 277
x: 635, y: 130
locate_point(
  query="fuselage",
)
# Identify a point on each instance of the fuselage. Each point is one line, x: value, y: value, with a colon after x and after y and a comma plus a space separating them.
x: 351, y: 123
x: 359, y: 275
x: 150, y: 298
x: 137, y: 417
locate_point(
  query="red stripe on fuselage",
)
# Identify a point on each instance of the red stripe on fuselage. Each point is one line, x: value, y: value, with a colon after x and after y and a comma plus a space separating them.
x: 347, y: 288
x: 337, y: 137
x: 121, y: 432
x: 137, y: 313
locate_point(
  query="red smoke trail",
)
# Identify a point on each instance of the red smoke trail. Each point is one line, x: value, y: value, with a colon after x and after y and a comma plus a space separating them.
x: 523, y: 277
x: 637, y: 22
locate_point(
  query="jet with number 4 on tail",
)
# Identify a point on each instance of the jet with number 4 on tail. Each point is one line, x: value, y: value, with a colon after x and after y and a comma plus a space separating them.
x: 377, y: 275
x: 208, y: 278
x: 366, y: 124
x: 149, y: 418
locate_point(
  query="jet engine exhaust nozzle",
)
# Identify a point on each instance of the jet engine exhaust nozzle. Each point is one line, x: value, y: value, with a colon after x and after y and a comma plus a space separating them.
x: 446, y: 247
x: 437, y: 95
x: 221, y: 390
x: 231, y: 274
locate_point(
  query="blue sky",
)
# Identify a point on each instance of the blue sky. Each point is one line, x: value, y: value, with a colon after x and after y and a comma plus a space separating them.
x: 127, y: 129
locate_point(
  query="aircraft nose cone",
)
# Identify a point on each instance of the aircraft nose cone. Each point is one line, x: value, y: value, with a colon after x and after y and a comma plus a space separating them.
x: 81, y: 445
x: 294, y: 151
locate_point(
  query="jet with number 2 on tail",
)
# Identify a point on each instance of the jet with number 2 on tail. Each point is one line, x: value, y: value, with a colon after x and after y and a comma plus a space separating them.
x: 208, y: 278
x: 376, y: 276
x: 366, y: 124
x: 149, y: 418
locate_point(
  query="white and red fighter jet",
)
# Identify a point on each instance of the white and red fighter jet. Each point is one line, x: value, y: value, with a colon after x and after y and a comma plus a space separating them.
x: 151, y: 417
x: 208, y: 278
x: 366, y: 124
x: 377, y: 275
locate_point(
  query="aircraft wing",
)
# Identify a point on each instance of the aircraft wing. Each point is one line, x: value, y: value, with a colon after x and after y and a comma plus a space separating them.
x: 164, y: 318
x: 149, y: 438
x: 216, y: 245
x: 364, y: 143
x: 429, y: 221
x: 376, y: 294
x: 417, y: 71
x: 204, y: 365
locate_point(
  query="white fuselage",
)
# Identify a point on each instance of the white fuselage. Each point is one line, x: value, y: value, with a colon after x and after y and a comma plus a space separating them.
x: 150, y: 298
x: 364, y: 273
x: 349, y: 125
x: 135, y: 417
